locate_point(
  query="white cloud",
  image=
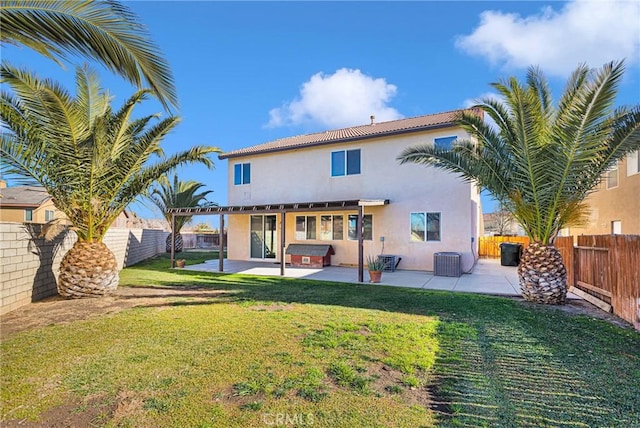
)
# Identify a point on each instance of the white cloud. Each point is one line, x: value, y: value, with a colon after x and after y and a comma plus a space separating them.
x: 583, y: 31
x: 346, y: 98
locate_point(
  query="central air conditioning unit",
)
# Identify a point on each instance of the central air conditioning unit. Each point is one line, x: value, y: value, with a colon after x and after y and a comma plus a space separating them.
x: 447, y: 264
x: 390, y: 262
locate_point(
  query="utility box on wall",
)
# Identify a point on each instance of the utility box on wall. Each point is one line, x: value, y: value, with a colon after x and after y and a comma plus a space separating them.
x: 310, y: 255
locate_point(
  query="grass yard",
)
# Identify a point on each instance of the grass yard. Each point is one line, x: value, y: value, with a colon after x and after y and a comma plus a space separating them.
x: 264, y: 351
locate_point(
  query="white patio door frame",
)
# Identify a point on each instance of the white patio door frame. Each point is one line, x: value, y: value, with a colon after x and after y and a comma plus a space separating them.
x: 263, y: 237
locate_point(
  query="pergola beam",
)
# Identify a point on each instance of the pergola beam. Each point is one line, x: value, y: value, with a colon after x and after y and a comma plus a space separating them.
x: 346, y: 205
x: 282, y: 209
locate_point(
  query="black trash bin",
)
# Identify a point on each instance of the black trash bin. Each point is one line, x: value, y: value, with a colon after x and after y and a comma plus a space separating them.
x: 510, y: 253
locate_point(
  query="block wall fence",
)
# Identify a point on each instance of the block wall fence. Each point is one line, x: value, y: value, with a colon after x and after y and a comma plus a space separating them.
x: 29, y: 264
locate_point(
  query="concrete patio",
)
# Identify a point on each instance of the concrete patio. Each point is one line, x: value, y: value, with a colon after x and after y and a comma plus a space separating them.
x: 488, y: 276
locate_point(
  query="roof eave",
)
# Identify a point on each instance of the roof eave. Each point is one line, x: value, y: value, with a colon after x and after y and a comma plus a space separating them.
x: 18, y: 205
x: 230, y: 155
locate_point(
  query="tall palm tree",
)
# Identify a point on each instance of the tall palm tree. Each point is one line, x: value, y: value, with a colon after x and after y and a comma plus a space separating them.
x: 542, y: 160
x: 91, y: 160
x: 179, y: 194
x: 103, y: 30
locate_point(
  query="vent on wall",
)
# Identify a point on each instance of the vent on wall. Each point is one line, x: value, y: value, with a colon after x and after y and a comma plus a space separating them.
x: 447, y: 264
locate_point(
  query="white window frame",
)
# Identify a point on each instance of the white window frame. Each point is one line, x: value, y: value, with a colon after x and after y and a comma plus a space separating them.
x: 426, y: 226
x: 452, y: 144
x: 616, y: 227
x: 49, y: 213
x: 615, y: 170
x: 28, y: 212
x: 299, y: 233
x: 332, y: 231
x: 633, y: 163
x: 346, y: 174
x: 349, y: 238
x: 242, y: 167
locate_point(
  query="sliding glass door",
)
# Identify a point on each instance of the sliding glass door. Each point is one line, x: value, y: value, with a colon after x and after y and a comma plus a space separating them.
x: 263, y: 237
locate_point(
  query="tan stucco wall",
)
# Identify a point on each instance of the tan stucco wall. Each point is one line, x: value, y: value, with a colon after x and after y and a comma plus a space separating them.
x: 305, y: 175
x: 13, y: 214
x: 621, y: 203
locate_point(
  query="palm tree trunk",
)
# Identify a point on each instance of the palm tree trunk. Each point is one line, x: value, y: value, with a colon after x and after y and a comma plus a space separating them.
x: 179, y: 243
x: 89, y: 269
x: 543, y: 276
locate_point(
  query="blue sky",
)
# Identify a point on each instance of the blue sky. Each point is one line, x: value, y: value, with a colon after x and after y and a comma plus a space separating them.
x: 251, y: 72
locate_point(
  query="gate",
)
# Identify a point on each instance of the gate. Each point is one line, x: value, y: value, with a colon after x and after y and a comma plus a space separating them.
x: 605, y: 270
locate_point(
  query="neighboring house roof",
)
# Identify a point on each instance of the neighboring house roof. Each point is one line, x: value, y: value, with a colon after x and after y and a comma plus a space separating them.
x: 372, y: 130
x: 23, y: 196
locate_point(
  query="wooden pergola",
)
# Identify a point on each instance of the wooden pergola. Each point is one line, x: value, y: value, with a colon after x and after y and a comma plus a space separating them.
x: 283, y: 209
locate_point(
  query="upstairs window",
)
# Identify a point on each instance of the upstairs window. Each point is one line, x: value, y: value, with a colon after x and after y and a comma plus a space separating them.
x: 48, y: 215
x: 612, y: 177
x: 444, y: 143
x: 633, y: 163
x: 28, y: 214
x: 241, y: 174
x: 616, y: 227
x: 345, y: 162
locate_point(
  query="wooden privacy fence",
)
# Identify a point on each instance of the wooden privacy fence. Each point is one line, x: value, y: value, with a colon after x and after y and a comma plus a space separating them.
x: 489, y: 246
x: 605, y: 270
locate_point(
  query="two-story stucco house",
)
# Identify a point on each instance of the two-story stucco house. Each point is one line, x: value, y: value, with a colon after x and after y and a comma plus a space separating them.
x: 320, y: 183
x: 28, y: 204
x: 615, y: 204
x: 32, y: 204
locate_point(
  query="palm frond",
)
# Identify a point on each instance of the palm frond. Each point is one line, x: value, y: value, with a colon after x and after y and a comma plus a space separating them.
x: 103, y: 30
x: 543, y: 160
x: 100, y: 163
x: 177, y: 194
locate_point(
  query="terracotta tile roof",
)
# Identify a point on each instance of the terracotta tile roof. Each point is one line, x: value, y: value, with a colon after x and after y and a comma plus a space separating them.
x: 400, y: 126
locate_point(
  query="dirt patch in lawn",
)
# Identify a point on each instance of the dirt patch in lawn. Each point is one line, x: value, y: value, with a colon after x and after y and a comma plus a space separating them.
x: 582, y: 307
x: 93, y: 411
x: 388, y: 381
x: 58, y: 310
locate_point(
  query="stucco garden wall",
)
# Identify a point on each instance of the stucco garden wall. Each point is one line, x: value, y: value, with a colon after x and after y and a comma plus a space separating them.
x: 29, y: 264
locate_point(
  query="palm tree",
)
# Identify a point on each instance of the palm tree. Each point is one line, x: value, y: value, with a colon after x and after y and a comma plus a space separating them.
x: 103, y: 30
x: 91, y: 160
x: 542, y: 160
x: 180, y: 194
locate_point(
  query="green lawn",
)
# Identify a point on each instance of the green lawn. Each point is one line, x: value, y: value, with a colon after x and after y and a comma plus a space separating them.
x: 267, y: 351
